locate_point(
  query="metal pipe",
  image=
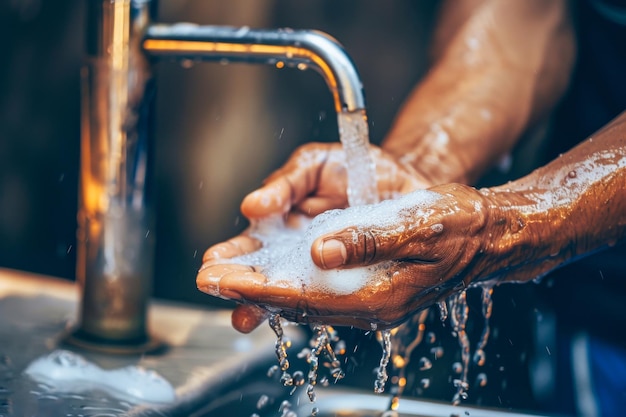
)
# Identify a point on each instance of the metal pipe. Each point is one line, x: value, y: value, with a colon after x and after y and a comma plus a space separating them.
x: 115, y: 213
x: 278, y: 47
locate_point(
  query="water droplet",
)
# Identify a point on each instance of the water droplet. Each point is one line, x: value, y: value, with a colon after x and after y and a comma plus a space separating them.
x: 437, y: 352
x: 481, y: 380
x: 437, y: 228
x: 457, y: 368
x: 298, y: 378
x: 443, y: 311
x: 340, y: 347
x: 262, y: 402
x: 425, y: 364
x: 310, y: 392
x: 272, y: 371
x: 479, y: 357
x: 286, y: 379
x: 285, y: 405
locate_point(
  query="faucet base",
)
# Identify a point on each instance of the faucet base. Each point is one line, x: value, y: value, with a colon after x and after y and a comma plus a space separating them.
x: 80, y: 339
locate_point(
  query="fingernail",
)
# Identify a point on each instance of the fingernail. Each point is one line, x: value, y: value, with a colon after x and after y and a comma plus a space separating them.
x: 332, y: 253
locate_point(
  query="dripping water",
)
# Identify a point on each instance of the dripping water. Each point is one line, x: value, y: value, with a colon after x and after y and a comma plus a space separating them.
x: 406, y: 338
x: 487, y: 307
x: 457, y: 306
x: 381, y: 373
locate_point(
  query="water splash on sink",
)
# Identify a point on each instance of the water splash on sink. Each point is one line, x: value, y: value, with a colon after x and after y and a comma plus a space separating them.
x: 63, y: 371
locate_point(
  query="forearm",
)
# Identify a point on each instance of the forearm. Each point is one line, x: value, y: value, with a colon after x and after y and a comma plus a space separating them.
x: 569, y: 208
x: 499, y: 66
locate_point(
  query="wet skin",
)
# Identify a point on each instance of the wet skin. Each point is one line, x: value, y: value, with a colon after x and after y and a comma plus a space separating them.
x: 515, y: 232
x: 499, y: 68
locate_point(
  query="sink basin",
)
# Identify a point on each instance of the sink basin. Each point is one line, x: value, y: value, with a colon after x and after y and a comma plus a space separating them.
x: 337, y: 401
x: 212, y: 369
x: 205, y: 362
x: 344, y: 402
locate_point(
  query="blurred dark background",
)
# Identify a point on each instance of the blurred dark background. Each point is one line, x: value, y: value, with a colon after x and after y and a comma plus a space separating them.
x: 220, y: 131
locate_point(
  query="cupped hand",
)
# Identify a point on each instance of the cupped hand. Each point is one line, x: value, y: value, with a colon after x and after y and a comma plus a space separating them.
x: 312, y: 181
x: 426, y: 251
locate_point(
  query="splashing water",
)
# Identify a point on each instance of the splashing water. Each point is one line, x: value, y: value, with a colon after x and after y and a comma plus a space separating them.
x: 381, y: 373
x: 397, y: 344
x: 409, y: 335
x: 322, y: 349
x: 487, y: 307
x: 457, y: 305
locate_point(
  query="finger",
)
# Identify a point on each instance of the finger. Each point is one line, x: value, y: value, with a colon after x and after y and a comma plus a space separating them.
x: 271, y: 199
x: 366, y: 246
x: 316, y: 205
x: 289, y: 185
x: 255, y: 288
x: 210, y: 276
x: 247, y: 317
x: 237, y: 246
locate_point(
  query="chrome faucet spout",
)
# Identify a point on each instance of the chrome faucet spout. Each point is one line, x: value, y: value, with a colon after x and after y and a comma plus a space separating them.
x: 278, y: 47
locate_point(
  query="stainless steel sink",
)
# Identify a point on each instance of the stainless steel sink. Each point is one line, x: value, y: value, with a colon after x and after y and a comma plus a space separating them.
x: 205, y: 361
x: 336, y: 401
x: 344, y: 402
x: 213, y: 370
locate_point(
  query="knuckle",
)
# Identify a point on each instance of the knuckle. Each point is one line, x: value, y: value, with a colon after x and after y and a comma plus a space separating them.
x: 370, y: 245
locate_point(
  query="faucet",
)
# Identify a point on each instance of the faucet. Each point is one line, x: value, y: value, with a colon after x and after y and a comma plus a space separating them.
x: 115, y: 239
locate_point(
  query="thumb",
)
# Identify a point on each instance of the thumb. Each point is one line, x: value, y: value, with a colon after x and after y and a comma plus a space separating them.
x: 352, y: 247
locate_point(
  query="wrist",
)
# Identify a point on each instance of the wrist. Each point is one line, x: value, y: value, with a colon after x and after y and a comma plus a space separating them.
x: 528, y: 236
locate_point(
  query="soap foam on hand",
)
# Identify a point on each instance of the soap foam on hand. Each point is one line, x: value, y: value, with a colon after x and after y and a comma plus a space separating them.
x: 285, y: 253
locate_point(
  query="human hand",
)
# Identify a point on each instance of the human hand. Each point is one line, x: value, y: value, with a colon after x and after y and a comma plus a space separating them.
x: 312, y: 181
x: 419, y: 250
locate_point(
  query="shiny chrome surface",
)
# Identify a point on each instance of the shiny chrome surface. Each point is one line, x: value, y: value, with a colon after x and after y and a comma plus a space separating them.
x: 278, y: 47
x: 333, y: 402
x: 205, y: 361
x: 115, y: 215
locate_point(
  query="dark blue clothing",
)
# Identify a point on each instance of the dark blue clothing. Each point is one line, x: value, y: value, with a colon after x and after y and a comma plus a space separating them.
x: 588, y: 297
x: 592, y: 292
